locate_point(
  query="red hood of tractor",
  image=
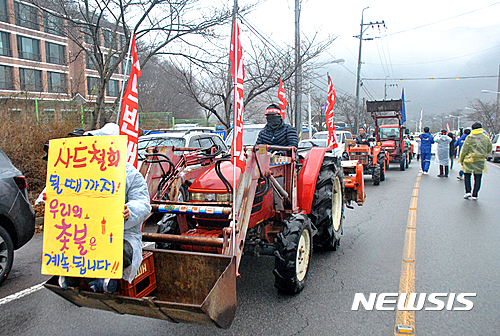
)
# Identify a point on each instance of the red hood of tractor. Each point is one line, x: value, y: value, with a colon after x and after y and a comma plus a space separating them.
x: 209, y: 181
x: 389, y: 143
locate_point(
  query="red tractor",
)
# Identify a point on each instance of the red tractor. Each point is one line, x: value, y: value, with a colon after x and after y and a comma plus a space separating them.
x: 390, y: 136
x: 285, y: 205
x: 371, y: 156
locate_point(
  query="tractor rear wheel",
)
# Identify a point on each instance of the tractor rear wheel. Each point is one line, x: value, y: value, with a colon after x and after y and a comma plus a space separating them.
x: 327, y: 211
x: 381, y: 162
x: 292, y: 254
x: 376, y: 174
x: 402, y: 163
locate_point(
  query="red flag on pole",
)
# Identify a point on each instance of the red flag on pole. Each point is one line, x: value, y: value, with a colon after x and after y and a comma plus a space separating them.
x: 238, y: 74
x: 448, y: 127
x: 282, y: 99
x: 330, y: 123
x: 129, y: 121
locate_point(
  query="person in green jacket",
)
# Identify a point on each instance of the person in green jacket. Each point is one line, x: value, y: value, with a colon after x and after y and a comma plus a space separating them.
x: 473, y: 159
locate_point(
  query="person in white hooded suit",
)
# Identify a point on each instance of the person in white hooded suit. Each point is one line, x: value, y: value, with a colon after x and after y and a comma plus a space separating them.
x: 443, y: 153
x: 136, y: 210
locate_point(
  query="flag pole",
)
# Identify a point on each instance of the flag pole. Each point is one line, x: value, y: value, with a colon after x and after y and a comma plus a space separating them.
x: 235, y: 80
x: 128, y: 60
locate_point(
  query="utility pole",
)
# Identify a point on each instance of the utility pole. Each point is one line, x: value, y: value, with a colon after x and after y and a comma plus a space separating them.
x: 358, y: 78
x: 386, y: 86
x: 298, y: 73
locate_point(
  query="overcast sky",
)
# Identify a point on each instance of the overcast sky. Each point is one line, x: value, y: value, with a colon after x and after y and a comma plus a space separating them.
x: 461, y: 45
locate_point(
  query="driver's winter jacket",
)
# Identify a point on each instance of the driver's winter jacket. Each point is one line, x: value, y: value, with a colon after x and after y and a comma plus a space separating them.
x: 282, y: 136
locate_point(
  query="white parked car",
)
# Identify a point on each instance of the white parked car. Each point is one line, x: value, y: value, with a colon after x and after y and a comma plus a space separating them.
x: 193, y: 138
x: 342, y: 136
x: 495, y: 151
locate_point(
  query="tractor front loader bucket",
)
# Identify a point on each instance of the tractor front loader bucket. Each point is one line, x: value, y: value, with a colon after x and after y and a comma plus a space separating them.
x: 191, y: 287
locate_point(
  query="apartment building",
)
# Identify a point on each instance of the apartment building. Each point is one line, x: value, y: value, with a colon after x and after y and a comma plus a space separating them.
x: 42, y: 70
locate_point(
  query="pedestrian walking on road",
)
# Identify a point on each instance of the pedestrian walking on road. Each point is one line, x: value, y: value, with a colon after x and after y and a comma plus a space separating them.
x: 453, y: 151
x: 459, y: 143
x: 426, y: 141
x: 473, y: 159
x: 443, y: 153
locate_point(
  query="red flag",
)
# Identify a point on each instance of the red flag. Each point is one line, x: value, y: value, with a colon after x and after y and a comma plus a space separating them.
x: 282, y: 99
x: 129, y: 122
x: 448, y: 128
x: 238, y: 74
x: 330, y: 123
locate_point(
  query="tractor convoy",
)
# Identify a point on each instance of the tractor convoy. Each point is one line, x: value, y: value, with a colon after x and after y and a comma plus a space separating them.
x: 286, y: 204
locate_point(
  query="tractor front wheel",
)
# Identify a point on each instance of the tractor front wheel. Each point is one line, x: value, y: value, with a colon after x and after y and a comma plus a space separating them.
x: 168, y: 225
x: 292, y: 254
x: 376, y: 174
x: 381, y: 162
x: 402, y: 163
x: 327, y: 211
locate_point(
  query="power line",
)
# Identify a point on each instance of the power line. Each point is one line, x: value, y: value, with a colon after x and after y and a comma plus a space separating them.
x: 442, y: 60
x: 429, y: 78
x: 429, y: 24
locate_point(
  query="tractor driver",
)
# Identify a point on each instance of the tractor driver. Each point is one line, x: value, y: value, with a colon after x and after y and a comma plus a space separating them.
x: 276, y: 132
x: 362, y: 137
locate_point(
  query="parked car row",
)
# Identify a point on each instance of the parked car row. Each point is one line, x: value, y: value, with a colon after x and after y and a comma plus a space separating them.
x: 495, y: 152
x: 17, y: 218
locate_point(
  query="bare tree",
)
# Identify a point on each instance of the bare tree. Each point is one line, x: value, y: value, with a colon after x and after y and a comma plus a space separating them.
x: 210, y: 86
x: 486, y: 113
x: 160, y: 91
x: 163, y: 27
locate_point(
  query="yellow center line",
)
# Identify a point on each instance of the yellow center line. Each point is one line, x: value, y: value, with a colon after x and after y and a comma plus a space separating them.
x: 405, y: 320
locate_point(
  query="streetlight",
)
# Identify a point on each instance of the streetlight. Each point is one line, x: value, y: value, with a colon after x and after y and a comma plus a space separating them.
x: 458, y: 120
x: 489, y: 91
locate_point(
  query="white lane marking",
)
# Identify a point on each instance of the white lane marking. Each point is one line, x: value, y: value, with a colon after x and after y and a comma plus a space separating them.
x: 492, y: 164
x: 20, y: 294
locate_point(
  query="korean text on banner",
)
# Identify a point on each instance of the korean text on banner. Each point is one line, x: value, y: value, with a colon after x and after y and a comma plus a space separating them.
x: 330, y: 122
x: 282, y: 99
x: 83, y: 231
x: 238, y: 74
x: 129, y: 122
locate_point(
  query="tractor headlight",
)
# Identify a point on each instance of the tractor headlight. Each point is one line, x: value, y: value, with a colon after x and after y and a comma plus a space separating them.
x: 223, y: 197
x: 209, y: 197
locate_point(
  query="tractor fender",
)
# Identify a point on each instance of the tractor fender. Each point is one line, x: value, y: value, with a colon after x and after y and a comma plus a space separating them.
x: 307, y: 178
x: 375, y: 153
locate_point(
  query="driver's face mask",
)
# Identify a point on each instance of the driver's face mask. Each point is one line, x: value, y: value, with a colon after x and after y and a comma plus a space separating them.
x: 274, y: 121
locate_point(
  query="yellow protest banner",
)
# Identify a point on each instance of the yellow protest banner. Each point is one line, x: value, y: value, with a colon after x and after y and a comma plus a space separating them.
x: 83, y: 229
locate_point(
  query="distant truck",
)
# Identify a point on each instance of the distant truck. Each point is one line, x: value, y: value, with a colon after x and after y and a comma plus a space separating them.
x: 391, y: 136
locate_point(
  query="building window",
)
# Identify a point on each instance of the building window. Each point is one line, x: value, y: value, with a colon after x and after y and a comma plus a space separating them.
x: 90, y: 63
x: 53, y: 24
x: 55, y: 53
x: 123, y: 42
x: 6, y: 78
x: 28, y: 48
x: 56, y: 82
x: 106, y: 34
x: 26, y: 16
x: 125, y: 64
x: 112, y: 88
x: 92, y: 85
x: 48, y: 115
x: 4, y: 15
x: 31, y: 80
x: 116, y: 61
x: 5, y: 44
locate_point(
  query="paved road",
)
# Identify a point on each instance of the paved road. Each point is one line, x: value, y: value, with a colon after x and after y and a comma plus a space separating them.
x: 455, y: 251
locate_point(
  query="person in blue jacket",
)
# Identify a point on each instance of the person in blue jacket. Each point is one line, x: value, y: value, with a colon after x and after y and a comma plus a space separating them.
x: 459, y: 143
x: 276, y: 131
x: 426, y: 141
